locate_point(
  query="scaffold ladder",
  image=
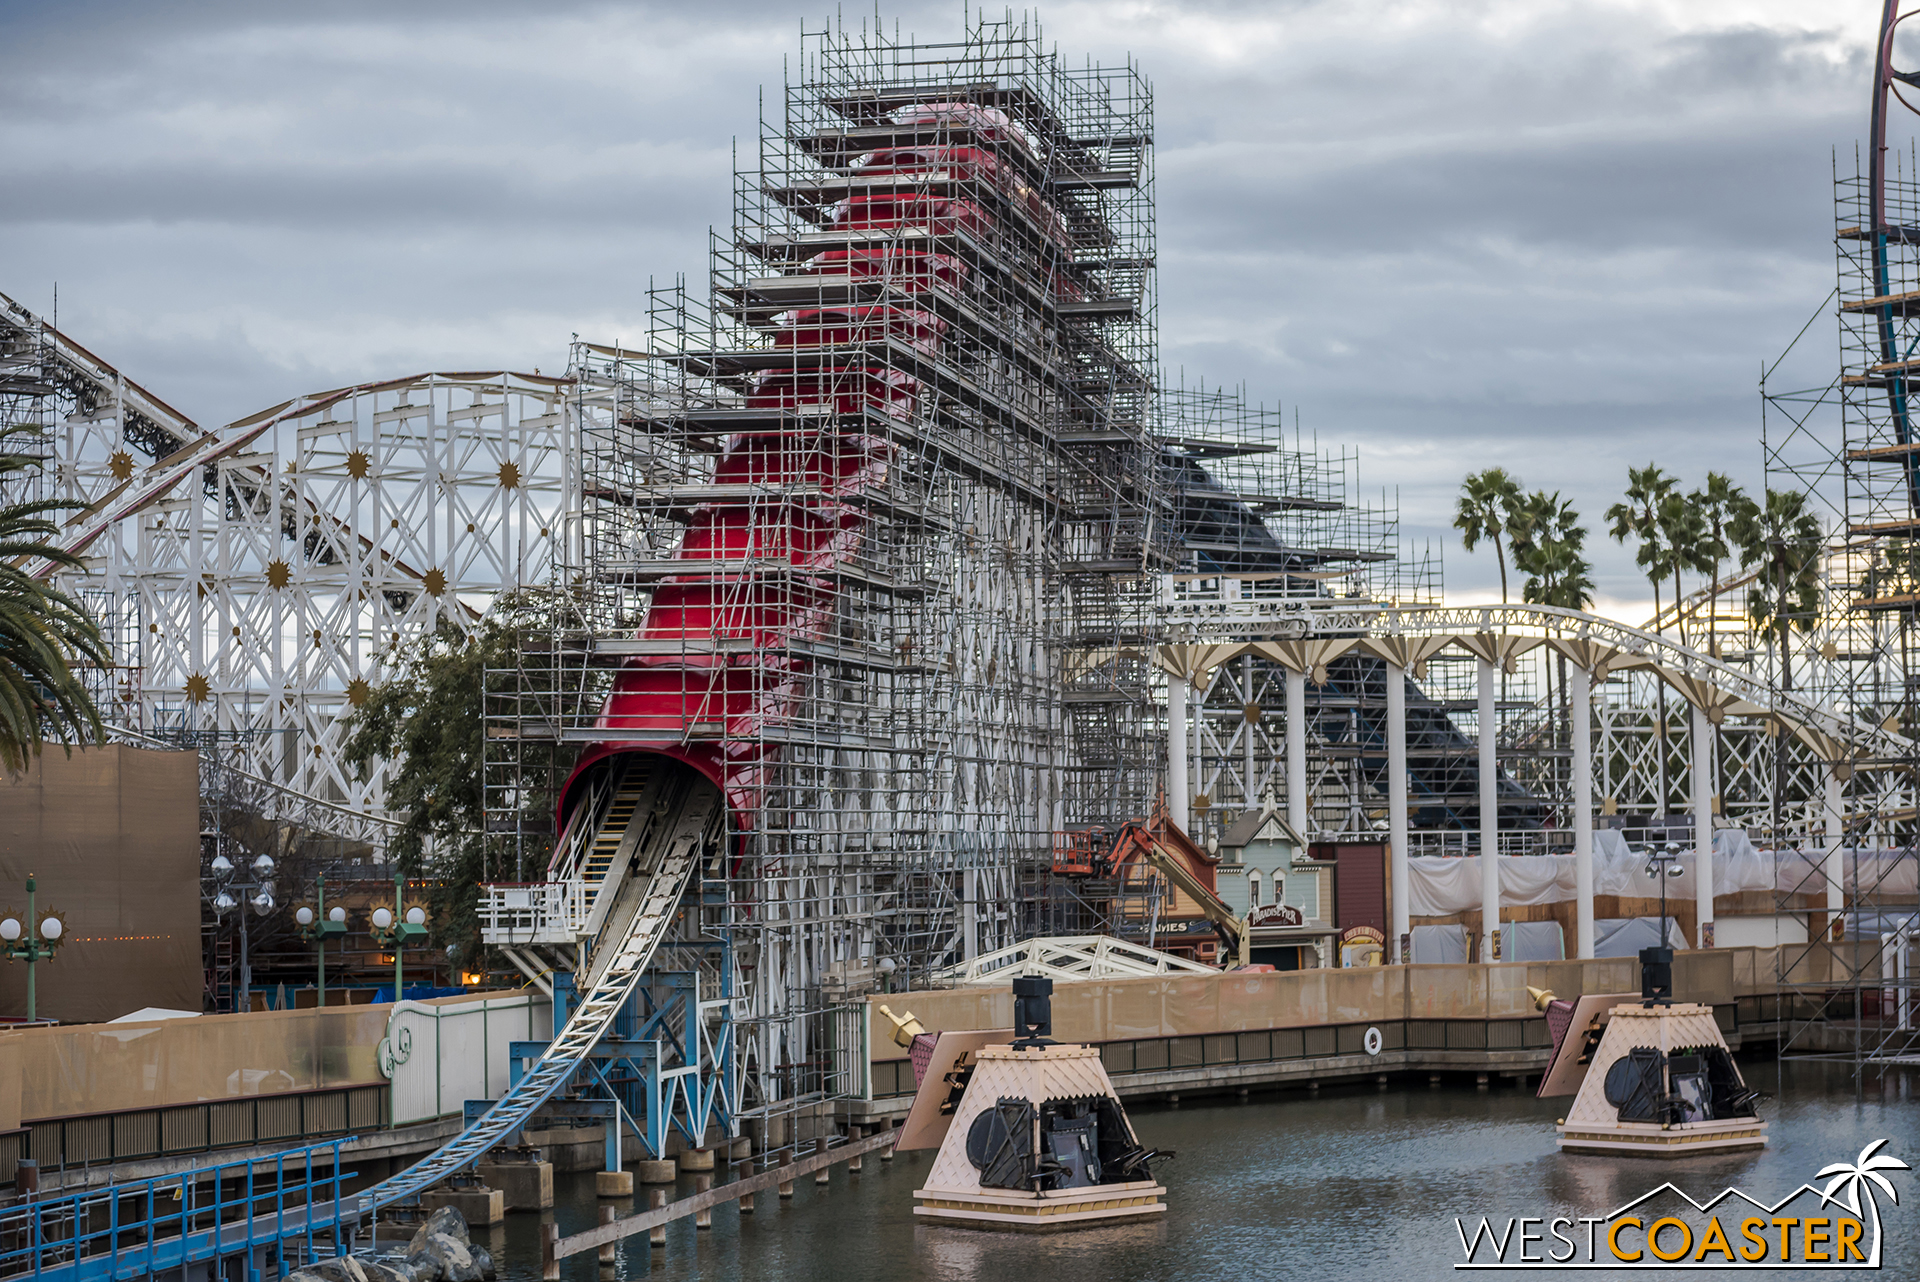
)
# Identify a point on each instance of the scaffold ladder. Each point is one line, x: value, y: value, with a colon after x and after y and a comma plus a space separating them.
x: 678, y: 852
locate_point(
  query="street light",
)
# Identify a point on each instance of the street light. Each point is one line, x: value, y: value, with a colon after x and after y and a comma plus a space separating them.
x: 393, y: 927
x: 1656, y: 964
x: 32, y: 938
x: 231, y: 892
x: 318, y: 923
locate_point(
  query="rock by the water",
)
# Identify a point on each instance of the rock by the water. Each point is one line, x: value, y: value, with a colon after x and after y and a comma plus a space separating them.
x: 449, y: 1259
x: 393, y: 1271
x: 441, y: 1250
x: 445, y: 1220
x: 342, y: 1268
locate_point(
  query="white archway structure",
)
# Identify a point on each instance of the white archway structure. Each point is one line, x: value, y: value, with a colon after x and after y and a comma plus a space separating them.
x: 1303, y: 635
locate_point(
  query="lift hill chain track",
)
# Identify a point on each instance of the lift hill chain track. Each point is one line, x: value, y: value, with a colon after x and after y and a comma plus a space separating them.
x: 641, y: 918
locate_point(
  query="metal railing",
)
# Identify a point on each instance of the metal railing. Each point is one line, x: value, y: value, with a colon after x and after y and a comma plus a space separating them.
x: 1455, y: 842
x: 534, y: 912
x: 148, y: 1228
x: 892, y: 1078
x: 99, y: 1139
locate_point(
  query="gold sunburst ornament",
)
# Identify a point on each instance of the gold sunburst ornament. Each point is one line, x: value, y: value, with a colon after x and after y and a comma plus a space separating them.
x: 278, y: 574
x: 198, y: 691
x: 434, y: 582
x: 120, y: 464
x: 357, y: 692
x: 509, y: 476
x: 358, y: 465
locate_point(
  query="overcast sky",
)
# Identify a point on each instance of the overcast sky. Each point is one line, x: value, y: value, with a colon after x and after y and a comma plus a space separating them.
x: 1562, y: 237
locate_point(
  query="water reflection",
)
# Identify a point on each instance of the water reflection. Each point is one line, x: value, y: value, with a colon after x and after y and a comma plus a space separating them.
x: 1351, y: 1183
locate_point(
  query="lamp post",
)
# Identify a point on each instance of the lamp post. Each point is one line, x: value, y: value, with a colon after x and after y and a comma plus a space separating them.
x: 261, y: 900
x: 32, y: 939
x: 317, y: 924
x: 1656, y: 964
x: 392, y: 928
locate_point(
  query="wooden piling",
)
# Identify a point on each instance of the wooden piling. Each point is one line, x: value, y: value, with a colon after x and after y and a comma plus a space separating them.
x: 656, y: 1200
x: 654, y: 1220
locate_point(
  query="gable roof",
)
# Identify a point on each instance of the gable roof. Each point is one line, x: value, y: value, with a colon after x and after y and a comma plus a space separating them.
x: 1249, y: 826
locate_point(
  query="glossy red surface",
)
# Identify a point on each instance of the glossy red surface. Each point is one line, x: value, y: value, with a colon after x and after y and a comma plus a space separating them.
x: 757, y: 589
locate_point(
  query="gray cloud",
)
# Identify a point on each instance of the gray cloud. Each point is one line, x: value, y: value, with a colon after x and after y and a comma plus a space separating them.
x: 1561, y: 238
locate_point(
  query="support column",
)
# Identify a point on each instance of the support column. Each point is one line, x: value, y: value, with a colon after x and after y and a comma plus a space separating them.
x: 1489, y: 812
x: 1297, y: 751
x: 1581, y: 710
x: 1833, y: 865
x: 1397, y: 807
x: 1179, y: 794
x: 1702, y: 747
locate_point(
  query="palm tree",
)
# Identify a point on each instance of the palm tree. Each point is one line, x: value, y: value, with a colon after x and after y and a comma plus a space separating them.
x: 1488, y: 503
x: 1719, y: 502
x: 1783, y: 538
x: 1684, y: 530
x: 1547, y: 542
x: 1557, y: 573
x: 1638, y: 517
x: 1862, y: 1176
x: 1561, y: 576
x: 41, y: 627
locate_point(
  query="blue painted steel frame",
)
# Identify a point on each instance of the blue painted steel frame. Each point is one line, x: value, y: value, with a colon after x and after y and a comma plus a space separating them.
x: 83, y: 1236
x: 663, y: 1020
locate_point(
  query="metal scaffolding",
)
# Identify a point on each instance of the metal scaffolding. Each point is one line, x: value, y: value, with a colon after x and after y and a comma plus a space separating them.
x: 1848, y: 805
x: 870, y: 535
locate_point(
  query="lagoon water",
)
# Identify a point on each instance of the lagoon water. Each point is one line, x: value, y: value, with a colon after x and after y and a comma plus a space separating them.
x: 1355, y: 1183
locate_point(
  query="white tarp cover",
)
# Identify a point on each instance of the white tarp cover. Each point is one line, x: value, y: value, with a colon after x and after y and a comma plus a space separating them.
x: 1442, y: 886
x: 1441, y: 945
x: 1626, y: 936
x: 1532, y: 941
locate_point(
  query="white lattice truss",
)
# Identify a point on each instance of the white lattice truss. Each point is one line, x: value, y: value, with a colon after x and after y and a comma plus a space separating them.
x: 1645, y: 687
x: 1068, y: 958
x: 258, y: 580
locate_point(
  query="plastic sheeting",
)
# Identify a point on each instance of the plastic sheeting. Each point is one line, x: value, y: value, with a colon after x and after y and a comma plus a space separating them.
x: 1626, y: 936
x: 1441, y: 886
x: 1442, y: 945
x: 1532, y: 941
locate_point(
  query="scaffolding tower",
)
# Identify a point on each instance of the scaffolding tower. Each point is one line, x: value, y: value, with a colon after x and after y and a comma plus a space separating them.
x: 870, y: 533
x: 1846, y: 992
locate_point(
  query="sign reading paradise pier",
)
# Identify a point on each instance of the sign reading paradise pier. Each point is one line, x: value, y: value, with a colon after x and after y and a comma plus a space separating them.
x: 1838, y: 1227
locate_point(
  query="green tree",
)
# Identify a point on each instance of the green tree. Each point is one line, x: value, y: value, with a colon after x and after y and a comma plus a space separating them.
x: 1683, y: 529
x: 1488, y: 503
x: 1719, y: 502
x: 1548, y: 548
x: 1784, y: 539
x: 43, y: 631
x: 1548, y: 543
x: 428, y: 723
x: 1638, y: 517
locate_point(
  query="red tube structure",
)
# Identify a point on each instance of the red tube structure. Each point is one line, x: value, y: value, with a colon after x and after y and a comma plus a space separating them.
x: 757, y: 586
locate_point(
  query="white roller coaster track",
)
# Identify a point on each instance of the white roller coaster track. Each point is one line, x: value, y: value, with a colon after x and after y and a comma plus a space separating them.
x: 669, y: 866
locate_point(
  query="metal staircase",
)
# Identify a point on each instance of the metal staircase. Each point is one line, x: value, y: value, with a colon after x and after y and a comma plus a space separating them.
x: 613, y: 832
x: 667, y: 847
